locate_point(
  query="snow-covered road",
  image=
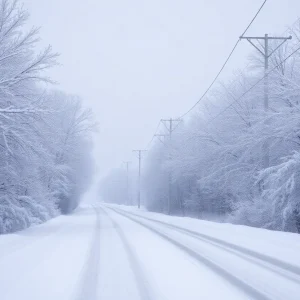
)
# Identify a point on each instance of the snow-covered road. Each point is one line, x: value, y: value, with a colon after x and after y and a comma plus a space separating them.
x: 116, y: 252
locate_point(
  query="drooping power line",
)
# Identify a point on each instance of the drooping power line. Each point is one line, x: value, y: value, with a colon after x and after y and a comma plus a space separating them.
x: 253, y: 86
x: 217, y: 76
x: 225, y: 63
x: 156, y: 131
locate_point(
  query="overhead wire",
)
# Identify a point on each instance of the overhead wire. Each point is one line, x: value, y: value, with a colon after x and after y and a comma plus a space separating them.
x: 254, y: 85
x: 218, y: 74
x: 225, y: 63
x: 156, y: 131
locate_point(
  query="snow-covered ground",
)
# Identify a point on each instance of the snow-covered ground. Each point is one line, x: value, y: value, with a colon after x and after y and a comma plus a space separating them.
x: 117, y: 252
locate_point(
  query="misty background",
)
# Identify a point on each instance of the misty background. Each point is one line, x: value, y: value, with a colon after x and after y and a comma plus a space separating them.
x: 221, y: 150
x: 135, y: 62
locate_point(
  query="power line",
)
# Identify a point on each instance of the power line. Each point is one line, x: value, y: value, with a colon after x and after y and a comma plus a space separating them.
x: 218, y: 74
x: 290, y: 30
x: 213, y: 82
x: 225, y: 63
x: 253, y: 86
x: 261, y: 7
x: 156, y: 130
x: 267, y: 53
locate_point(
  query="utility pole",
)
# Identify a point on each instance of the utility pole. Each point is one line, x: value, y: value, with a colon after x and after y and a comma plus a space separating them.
x: 266, y: 53
x: 127, y: 181
x: 140, y: 167
x: 169, y: 124
x: 264, y: 50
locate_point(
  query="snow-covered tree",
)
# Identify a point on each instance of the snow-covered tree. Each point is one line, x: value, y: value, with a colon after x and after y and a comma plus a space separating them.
x: 218, y: 154
x: 45, y: 149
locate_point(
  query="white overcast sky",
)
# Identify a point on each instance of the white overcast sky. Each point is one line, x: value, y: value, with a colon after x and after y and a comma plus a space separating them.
x: 136, y: 61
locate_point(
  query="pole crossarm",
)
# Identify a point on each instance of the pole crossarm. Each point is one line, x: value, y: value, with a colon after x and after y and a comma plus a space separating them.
x: 266, y: 53
x: 250, y: 38
x: 170, y: 128
x: 139, y: 152
x: 262, y: 37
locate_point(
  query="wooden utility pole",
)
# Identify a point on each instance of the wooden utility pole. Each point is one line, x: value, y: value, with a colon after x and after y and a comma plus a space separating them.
x: 266, y: 53
x: 169, y: 124
x: 140, y: 167
x: 127, y: 181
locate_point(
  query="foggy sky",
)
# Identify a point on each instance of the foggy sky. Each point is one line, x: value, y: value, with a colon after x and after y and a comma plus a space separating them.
x: 137, y: 61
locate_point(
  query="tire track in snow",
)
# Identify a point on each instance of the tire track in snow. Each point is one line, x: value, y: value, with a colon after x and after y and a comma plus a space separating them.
x: 89, y: 275
x: 275, y: 265
x: 140, y: 278
x: 235, y: 281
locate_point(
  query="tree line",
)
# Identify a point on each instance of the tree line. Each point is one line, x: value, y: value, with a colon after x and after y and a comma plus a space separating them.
x: 214, y: 166
x: 45, y: 145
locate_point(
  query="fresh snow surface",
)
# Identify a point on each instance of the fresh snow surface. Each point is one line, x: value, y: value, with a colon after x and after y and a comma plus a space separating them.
x: 118, y: 252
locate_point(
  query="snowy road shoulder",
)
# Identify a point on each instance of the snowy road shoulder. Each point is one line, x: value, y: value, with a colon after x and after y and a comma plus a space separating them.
x: 258, y: 275
x: 282, y: 246
x: 49, y: 264
x: 112, y: 252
